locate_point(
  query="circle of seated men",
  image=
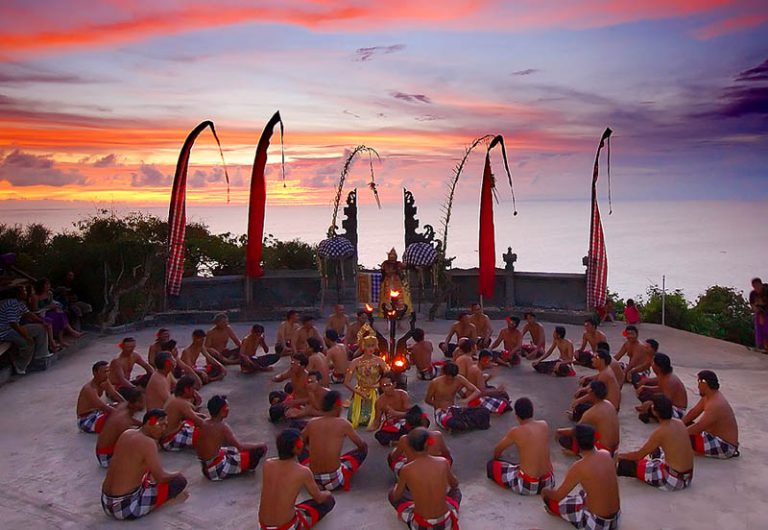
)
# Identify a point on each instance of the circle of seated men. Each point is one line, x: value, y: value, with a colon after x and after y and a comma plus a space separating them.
x: 426, y: 495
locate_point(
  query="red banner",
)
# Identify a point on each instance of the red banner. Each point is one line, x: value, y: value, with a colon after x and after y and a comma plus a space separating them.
x: 487, y: 242
x: 597, y: 259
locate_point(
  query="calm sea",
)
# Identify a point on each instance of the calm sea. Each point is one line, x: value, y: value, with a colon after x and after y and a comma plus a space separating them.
x: 695, y: 244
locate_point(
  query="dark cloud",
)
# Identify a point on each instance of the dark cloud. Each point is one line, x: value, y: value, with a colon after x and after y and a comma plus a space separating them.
x: 350, y: 113
x: 25, y: 169
x: 366, y: 54
x: 17, y: 74
x: 411, y: 98
x: 742, y: 101
x: 527, y: 71
x: 428, y: 117
x: 110, y: 160
x: 149, y: 175
x: 758, y: 73
x: 201, y: 178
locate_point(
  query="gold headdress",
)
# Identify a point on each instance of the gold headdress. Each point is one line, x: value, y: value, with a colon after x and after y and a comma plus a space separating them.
x: 392, y: 254
x: 366, y: 337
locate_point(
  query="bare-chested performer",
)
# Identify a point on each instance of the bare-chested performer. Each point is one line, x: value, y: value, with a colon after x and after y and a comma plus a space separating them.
x: 160, y: 382
x: 285, y: 333
x: 314, y: 406
x: 495, y: 399
x: 183, y: 422
x: 338, y: 321
x: 531, y: 437
x: 463, y: 355
x: 421, y: 356
x: 482, y: 325
x: 338, y: 357
x: 249, y: 346
x: 441, y: 394
x: 163, y: 342
x: 615, y: 365
x: 121, y: 366
x: 538, y: 344
x: 289, y: 402
x: 716, y: 433
x: 305, y: 331
x: 210, y: 369
x: 590, y: 341
x: 282, y: 480
x: 513, y: 343
x: 462, y: 328
x: 91, y: 409
x: 354, y: 329
x: 118, y: 422
x: 401, y: 454
x: 220, y: 453
x: 318, y: 362
x: 136, y: 482
x: 665, y: 461
x: 325, y: 438
x: 427, y: 494
x: 217, y: 340
x: 601, y: 415
x: 596, y: 505
x: 389, y: 411
x: 582, y: 400
x: 665, y: 383
x: 562, y: 367
x: 640, y: 356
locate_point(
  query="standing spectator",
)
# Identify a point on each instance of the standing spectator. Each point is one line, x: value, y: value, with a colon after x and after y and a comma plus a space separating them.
x: 758, y: 299
x: 631, y: 314
x: 31, y: 339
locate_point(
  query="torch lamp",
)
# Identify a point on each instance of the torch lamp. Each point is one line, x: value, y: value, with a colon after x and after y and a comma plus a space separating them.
x: 394, y: 311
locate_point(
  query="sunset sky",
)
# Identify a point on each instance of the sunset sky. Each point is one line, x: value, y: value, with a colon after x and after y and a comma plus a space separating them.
x: 96, y: 98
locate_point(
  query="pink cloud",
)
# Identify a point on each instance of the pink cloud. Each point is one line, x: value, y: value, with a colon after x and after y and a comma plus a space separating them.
x: 732, y: 25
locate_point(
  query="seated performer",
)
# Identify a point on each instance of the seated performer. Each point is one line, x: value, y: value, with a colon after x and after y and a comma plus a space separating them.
x: 482, y: 325
x: 121, y: 366
x: 427, y: 493
x: 592, y: 337
x: 531, y: 437
x: 338, y: 322
x: 325, y: 437
x: 601, y: 415
x: 136, y: 482
x: 91, y: 410
x: 117, y: 423
x: 665, y: 383
x: 218, y: 337
x: 305, y: 331
x: 282, y: 480
x: 441, y: 394
x: 290, y: 402
x: 366, y: 369
x: 716, y: 433
x: 660, y: 461
x: 220, y: 453
x: 495, y: 399
x: 596, y: 505
x: 250, y: 344
x: 353, y: 331
x: 538, y: 344
x: 421, y: 356
x: 462, y: 328
x: 183, y: 422
x: 563, y: 367
x: 513, y: 343
x: 402, y: 454
x: 318, y: 362
x: 285, y: 333
x: 162, y: 381
x: 640, y: 356
x: 211, y: 369
x: 163, y: 342
x: 338, y: 358
x: 389, y: 411
x: 314, y: 405
x: 581, y: 400
x: 463, y: 356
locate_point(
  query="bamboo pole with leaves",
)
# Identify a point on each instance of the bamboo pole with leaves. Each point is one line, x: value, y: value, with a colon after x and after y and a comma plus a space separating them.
x: 344, y: 172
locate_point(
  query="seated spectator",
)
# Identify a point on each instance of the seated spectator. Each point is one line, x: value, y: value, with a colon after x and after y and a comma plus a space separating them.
x: 30, y: 338
x: 76, y: 309
x: 41, y: 302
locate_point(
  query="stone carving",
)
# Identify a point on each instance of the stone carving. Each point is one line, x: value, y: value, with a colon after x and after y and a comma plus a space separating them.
x: 412, y: 224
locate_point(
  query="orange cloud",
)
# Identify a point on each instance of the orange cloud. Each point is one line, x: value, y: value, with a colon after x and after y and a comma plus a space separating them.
x: 732, y: 25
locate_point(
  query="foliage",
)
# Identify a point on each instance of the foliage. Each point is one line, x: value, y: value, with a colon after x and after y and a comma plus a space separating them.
x: 294, y: 254
x: 677, y: 308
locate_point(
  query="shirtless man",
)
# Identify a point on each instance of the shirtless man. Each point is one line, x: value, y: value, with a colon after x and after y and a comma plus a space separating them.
x: 441, y: 394
x: 427, y: 492
x: 250, y: 344
x: 462, y: 328
x: 601, y: 415
x: 353, y: 329
x: 162, y: 343
x: 716, y: 433
x: 421, y: 356
x: 183, y: 422
x: 665, y: 383
x: 389, y: 411
x: 463, y: 355
x: 401, y: 454
x: 212, y: 370
x: 562, y: 367
x: 338, y: 321
x: 136, y: 482
x: 325, y: 437
x: 531, y: 437
x: 591, y: 337
x: 218, y: 337
x: 482, y: 325
x: 314, y: 407
x: 285, y: 333
x: 121, y: 366
x: 665, y: 461
x: 318, y: 362
x: 615, y: 365
x: 513, y: 342
x: 304, y: 332
x: 538, y: 337
x: 160, y: 383
x: 338, y: 358
x: 118, y: 422
x: 596, y: 504
x: 640, y: 355
x: 282, y: 480
x: 582, y: 400
x: 295, y: 396
x: 495, y: 399
x: 91, y: 410
x: 220, y: 453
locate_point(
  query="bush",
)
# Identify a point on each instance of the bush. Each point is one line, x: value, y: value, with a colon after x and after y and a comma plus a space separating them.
x: 294, y: 254
x: 678, y: 311
x: 724, y: 313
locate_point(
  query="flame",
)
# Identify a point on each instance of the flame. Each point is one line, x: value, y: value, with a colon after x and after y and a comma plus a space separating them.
x: 368, y: 308
x: 384, y: 357
x: 399, y: 363
x: 394, y: 294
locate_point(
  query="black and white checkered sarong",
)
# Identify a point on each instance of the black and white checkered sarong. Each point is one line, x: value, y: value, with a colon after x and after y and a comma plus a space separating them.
x: 708, y: 444
x: 185, y: 437
x: 573, y: 508
x: 92, y: 422
x: 229, y: 462
x: 657, y: 473
x: 138, y: 503
x: 509, y: 475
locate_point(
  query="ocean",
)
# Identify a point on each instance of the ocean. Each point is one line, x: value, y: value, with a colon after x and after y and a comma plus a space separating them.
x: 695, y: 244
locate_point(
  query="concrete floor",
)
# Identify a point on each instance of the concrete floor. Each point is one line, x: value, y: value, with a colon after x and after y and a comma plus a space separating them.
x: 50, y: 478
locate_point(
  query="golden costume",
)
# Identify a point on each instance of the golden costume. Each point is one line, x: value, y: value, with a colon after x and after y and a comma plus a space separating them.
x: 367, y: 374
x: 393, y: 279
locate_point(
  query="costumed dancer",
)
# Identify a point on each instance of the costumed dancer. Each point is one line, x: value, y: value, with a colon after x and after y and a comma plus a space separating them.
x: 366, y: 370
